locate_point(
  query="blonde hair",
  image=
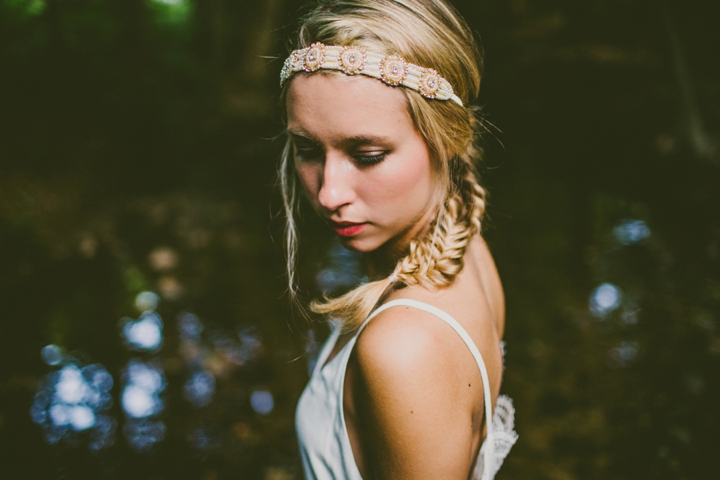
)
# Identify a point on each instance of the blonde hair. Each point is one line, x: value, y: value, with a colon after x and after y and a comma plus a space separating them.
x: 432, y: 34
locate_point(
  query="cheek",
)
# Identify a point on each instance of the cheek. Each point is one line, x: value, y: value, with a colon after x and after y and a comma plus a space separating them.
x: 307, y: 175
x: 410, y: 181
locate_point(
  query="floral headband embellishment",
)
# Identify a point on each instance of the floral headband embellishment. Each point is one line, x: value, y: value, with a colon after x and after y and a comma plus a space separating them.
x: 391, y: 69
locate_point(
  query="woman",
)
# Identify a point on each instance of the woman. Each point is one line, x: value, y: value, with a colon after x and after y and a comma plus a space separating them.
x: 381, y: 136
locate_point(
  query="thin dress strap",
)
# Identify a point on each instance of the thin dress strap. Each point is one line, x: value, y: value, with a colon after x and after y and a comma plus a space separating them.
x: 489, y: 452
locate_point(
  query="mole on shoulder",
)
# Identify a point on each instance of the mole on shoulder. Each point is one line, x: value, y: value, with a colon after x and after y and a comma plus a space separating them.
x: 468, y: 384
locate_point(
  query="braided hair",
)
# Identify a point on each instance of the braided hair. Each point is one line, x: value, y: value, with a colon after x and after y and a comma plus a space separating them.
x: 426, y: 32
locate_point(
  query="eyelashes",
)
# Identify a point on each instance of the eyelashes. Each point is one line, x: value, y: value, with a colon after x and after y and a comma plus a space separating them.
x: 370, y: 159
x: 316, y: 154
x: 307, y: 154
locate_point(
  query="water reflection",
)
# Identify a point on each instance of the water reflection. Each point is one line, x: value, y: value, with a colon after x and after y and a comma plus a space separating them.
x: 631, y: 231
x: 72, y: 400
x: 605, y: 299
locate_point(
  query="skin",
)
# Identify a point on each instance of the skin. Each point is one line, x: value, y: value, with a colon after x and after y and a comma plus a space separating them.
x: 413, y: 395
x: 337, y: 152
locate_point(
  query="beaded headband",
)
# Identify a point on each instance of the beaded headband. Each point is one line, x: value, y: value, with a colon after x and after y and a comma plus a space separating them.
x: 391, y: 69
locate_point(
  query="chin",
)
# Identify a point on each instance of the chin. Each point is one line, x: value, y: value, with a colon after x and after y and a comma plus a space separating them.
x: 360, y: 245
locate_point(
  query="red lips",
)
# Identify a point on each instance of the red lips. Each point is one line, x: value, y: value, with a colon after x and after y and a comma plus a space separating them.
x: 348, y: 229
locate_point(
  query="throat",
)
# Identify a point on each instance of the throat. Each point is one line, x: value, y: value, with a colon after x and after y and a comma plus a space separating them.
x: 381, y: 262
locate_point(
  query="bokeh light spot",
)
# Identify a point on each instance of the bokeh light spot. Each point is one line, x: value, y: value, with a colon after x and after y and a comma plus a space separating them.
x: 142, y: 434
x: 623, y: 355
x: 51, y: 354
x: 81, y: 417
x: 71, y: 387
x: 202, y: 438
x: 144, y: 333
x: 199, y: 388
x: 163, y: 258
x: 262, y: 402
x: 147, y: 301
x: 71, y: 400
x: 190, y: 326
x: 143, y: 385
x: 605, y: 299
x: 631, y: 231
x: 138, y: 402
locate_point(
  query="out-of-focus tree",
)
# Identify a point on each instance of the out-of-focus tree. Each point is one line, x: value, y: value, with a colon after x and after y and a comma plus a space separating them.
x: 133, y: 158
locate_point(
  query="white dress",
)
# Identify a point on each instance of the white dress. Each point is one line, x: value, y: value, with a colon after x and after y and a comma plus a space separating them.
x: 320, y: 421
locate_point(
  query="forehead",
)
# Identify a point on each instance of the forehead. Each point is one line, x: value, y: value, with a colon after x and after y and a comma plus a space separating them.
x: 330, y: 104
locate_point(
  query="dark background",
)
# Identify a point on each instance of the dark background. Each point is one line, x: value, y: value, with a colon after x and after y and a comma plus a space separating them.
x: 138, y: 147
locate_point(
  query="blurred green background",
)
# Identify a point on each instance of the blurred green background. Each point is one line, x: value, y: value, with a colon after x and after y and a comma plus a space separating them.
x: 145, y: 330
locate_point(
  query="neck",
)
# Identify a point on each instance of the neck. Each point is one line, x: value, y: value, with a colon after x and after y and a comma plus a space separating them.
x: 380, y: 262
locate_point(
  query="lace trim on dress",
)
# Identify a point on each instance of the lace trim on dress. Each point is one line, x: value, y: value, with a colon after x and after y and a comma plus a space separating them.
x: 503, y: 438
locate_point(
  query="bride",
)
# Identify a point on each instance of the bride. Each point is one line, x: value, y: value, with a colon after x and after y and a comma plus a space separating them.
x: 382, y: 141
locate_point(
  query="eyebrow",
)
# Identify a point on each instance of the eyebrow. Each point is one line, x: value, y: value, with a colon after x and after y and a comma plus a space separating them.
x: 303, y: 135
x: 367, y: 139
x: 355, y: 140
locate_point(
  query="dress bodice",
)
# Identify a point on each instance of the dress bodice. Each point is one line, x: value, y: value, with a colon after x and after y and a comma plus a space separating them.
x: 320, y: 421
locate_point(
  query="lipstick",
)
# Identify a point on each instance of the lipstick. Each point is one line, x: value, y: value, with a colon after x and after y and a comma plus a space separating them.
x: 348, y: 229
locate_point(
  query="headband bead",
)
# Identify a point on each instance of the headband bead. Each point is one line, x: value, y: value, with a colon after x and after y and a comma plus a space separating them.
x: 429, y: 84
x: 313, y: 58
x: 393, y: 70
x: 351, y: 60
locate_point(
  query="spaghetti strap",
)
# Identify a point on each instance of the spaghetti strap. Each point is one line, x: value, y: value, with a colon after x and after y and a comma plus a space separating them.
x: 488, y: 453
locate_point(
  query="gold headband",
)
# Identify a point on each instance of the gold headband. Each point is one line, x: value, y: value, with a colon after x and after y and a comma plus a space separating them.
x: 391, y: 69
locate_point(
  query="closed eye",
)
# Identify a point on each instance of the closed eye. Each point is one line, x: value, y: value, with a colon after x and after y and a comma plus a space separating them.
x: 307, y: 153
x: 373, y: 159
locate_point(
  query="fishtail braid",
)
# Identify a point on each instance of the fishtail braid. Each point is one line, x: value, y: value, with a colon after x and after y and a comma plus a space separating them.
x: 432, y: 261
x: 435, y: 260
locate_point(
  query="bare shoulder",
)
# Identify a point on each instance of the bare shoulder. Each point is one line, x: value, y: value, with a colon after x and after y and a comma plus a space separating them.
x: 416, y: 390
x: 402, y: 339
x: 408, y: 348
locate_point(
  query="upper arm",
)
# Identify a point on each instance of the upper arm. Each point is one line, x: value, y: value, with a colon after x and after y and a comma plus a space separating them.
x: 414, y: 397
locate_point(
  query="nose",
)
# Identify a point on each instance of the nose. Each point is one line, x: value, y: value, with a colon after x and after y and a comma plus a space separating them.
x: 336, y: 183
